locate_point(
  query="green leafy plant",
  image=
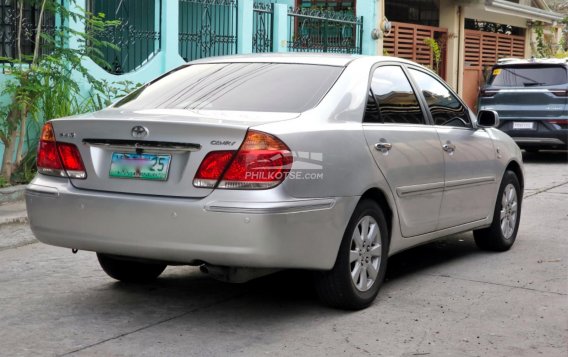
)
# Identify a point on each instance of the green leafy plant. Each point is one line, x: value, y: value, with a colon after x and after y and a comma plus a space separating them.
x: 436, y: 52
x: 3, y: 182
x: 103, y: 98
x: 44, y: 85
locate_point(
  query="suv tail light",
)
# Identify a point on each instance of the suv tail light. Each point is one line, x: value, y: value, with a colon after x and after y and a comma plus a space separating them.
x: 488, y: 93
x: 559, y: 92
x: 262, y: 161
x: 58, y: 159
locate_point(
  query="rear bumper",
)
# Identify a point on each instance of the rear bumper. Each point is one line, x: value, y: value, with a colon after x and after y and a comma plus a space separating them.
x: 544, y: 136
x: 285, y: 234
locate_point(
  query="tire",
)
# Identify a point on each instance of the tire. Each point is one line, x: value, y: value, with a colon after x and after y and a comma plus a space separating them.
x: 502, y: 233
x: 337, y: 288
x: 130, y: 270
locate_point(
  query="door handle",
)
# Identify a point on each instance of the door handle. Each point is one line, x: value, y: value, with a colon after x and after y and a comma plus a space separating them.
x: 383, y: 147
x: 449, y: 147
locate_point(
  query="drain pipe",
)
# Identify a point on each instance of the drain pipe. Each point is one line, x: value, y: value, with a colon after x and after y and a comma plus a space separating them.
x: 461, y: 57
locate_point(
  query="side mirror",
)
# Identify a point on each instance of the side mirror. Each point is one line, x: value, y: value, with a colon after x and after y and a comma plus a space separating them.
x: 487, y: 119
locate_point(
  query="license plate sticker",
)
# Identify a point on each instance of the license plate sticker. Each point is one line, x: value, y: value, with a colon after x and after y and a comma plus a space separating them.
x: 140, y: 166
x: 523, y: 125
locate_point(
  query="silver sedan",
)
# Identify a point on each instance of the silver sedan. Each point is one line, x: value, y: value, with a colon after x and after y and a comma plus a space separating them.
x: 247, y: 165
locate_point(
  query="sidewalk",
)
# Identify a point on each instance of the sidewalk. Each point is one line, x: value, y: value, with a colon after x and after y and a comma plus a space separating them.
x: 13, y: 212
x: 12, y: 205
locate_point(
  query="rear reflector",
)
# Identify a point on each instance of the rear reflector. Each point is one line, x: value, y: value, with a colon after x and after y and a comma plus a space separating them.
x: 58, y: 159
x: 559, y: 123
x: 263, y: 161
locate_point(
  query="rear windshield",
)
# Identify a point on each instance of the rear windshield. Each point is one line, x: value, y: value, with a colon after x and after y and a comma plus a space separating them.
x: 528, y: 76
x: 257, y: 87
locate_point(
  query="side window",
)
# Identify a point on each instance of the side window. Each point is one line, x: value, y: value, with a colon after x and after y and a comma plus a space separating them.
x: 397, y: 101
x: 371, y: 110
x: 446, y: 109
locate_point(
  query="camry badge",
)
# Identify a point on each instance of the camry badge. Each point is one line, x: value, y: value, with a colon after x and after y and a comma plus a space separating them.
x: 139, y: 132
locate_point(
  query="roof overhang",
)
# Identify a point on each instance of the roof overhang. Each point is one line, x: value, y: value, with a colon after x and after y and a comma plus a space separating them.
x: 527, y: 12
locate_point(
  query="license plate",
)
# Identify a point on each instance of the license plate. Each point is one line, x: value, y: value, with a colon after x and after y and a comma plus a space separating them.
x: 523, y: 125
x: 140, y: 166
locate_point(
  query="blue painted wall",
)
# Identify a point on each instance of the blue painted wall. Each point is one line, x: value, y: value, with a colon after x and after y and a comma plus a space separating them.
x: 168, y: 57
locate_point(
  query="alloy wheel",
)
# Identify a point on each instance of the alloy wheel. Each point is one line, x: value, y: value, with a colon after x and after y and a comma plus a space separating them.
x: 509, y: 207
x: 365, y: 253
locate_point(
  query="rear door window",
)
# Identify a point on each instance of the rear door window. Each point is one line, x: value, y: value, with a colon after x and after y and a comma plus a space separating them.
x: 528, y: 76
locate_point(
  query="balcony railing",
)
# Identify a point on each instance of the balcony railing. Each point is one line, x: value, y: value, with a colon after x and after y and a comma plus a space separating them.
x: 324, y: 31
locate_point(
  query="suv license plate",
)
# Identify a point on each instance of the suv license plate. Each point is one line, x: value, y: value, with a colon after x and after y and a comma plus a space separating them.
x: 523, y: 125
x: 140, y: 166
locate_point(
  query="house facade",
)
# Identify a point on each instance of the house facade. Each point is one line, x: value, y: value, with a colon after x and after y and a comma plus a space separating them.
x: 472, y: 35
x: 155, y: 36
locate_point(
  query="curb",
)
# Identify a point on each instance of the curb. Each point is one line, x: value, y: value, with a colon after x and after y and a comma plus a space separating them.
x: 12, y: 194
x: 13, y: 220
x: 12, y: 207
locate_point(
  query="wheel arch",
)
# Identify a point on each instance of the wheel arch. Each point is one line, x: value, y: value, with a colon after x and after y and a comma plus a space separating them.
x: 377, y: 195
x: 516, y: 168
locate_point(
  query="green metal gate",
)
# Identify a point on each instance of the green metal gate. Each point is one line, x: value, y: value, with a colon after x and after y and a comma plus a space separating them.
x: 137, y: 36
x: 207, y: 28
x: 263, y: 20
x: 324, y: 31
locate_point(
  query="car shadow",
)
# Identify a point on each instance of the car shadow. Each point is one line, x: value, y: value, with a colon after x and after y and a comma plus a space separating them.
x: 436, y: 253
x: 545, y: 157
x: 289, y: 287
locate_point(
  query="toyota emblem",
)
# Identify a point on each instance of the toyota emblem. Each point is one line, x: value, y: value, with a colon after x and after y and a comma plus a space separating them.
x: 139, y: 132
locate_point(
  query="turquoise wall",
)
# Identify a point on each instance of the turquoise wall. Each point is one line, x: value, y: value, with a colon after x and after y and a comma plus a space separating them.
x: 168, y: 57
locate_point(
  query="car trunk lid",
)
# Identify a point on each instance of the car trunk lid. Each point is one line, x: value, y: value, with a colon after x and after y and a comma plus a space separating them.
x: 153, y: 152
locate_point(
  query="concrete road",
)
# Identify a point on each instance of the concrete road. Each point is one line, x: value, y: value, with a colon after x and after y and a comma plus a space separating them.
x: 443, y: 299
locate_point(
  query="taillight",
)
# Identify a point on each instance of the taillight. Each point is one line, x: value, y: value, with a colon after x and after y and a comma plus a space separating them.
x: 58, y: 159
x: 211, y: 168
x: 488, y: 93
x: 72, y: 162
x: 559, y: 92
x: 263, y: 161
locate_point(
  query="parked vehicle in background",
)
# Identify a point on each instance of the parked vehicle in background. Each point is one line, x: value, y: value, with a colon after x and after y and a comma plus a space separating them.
x: 243, y: 165
x: 531, y: 98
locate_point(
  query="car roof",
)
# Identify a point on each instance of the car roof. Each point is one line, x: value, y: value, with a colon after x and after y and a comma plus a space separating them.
x: 512, y: 62
x: 300, y: 58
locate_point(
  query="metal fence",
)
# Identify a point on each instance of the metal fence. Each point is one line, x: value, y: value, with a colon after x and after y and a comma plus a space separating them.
x: 207, y: 28
x: 137, y: 36
x: 324, y: 31
x: 263, y: 20
x: 9, y: 21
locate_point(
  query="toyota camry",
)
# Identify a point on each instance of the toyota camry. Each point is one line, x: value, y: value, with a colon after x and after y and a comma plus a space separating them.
x: 247, y: 165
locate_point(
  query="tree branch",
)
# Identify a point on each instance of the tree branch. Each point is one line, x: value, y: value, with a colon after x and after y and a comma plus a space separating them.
x: 20, y: 22
x: 38, y: 32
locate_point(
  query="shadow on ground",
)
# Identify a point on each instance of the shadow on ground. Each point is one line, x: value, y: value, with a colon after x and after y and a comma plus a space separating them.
x: 545, y: 157
x: 293, y: 286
